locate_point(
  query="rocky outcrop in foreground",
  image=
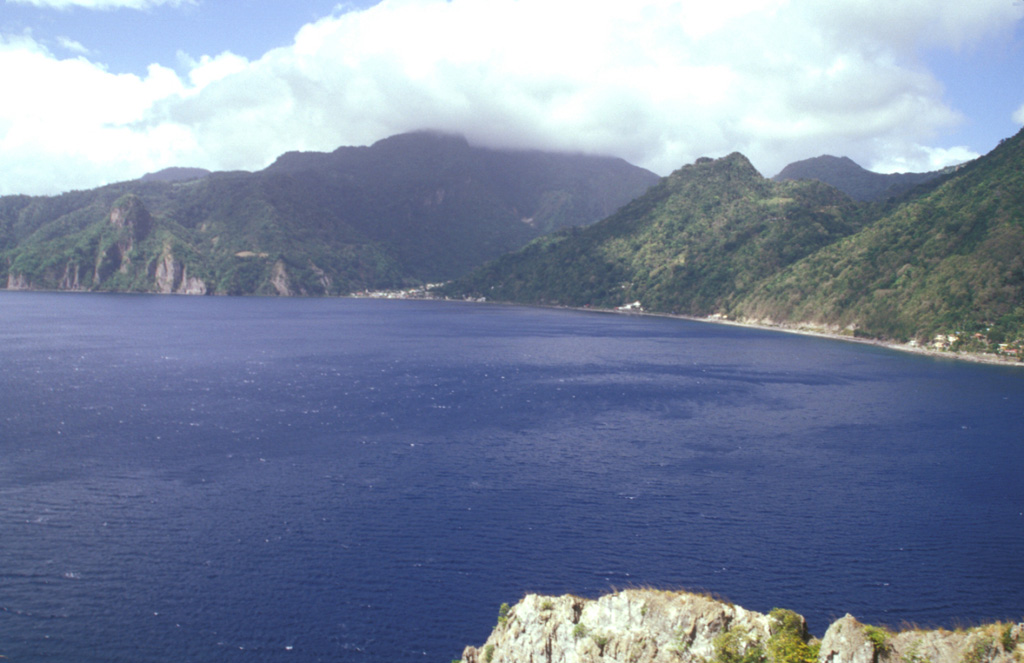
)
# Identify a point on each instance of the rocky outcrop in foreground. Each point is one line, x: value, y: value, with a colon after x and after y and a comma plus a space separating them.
x: 652, y: 626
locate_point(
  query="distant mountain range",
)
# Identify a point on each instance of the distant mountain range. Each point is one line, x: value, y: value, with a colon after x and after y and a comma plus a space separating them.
x: 943, y: 264
x: 931, y: 257
x: 175, y: 175
x: 408, y: 209
x: 856, y: 182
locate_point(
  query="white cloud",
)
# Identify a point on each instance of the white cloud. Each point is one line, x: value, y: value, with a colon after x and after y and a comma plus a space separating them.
x: 921, y: 159
x: 72, y: 46
x: 99, y: 4
x: 68, y: 123
x: 208, y: 69
x: 1018, y: 116
x: 658, y: 82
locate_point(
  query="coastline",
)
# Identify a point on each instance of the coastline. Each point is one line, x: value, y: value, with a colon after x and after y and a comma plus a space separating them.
x: 423, y: 293
x: 801, y: 329
x: 804, y: 330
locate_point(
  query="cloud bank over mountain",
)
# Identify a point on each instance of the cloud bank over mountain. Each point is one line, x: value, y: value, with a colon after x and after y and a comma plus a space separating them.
x: 657, y: 82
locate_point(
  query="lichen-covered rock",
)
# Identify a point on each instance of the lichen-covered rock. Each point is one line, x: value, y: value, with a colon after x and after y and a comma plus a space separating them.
x: 847, y: 641
x: 652, y: 626
x: 992, y: 643
x: 634, y: 626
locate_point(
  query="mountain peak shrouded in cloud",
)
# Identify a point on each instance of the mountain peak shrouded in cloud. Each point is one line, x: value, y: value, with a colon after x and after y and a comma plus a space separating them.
x: 423, y: 137
x: 408, y: 209
x: 656, y: 82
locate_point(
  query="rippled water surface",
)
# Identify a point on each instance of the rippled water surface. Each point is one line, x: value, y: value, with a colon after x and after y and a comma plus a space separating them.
x: 217, y: 479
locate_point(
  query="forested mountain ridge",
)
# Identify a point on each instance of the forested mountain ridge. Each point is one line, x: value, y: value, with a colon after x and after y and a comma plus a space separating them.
x: 716, y: 238
x: 410, y: 208
x: 692, y: 244
x: 948, y: 261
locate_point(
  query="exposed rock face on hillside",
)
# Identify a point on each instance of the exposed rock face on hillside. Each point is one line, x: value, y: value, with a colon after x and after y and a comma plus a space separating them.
x: 171, y: 276
x: 132, y: 222
x: 131, y: 214
x: 650, y: 626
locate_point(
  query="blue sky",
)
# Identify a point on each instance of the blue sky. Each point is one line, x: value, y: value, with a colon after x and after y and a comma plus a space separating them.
x: 97, y: 91
x: 247, y: 27
x: 985, y: 82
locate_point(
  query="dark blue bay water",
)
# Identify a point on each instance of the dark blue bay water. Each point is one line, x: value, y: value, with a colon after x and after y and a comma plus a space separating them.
x: 215, y: 479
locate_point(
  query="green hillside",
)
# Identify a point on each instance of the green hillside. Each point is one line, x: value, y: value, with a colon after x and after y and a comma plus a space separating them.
x: 692, y: 244
x: 409, y: 209
x: 949, y: 260
x: 716, y: 238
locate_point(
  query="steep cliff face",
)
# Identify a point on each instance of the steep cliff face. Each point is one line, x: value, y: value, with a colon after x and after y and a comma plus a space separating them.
x: 124, y: 250
x: 279, y: 279
x: 131, y: 222
x: 72, y: 277
x: 17, y: 282
x: 129, y: 213
x: 170, y: 275
x: 651, y: 626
